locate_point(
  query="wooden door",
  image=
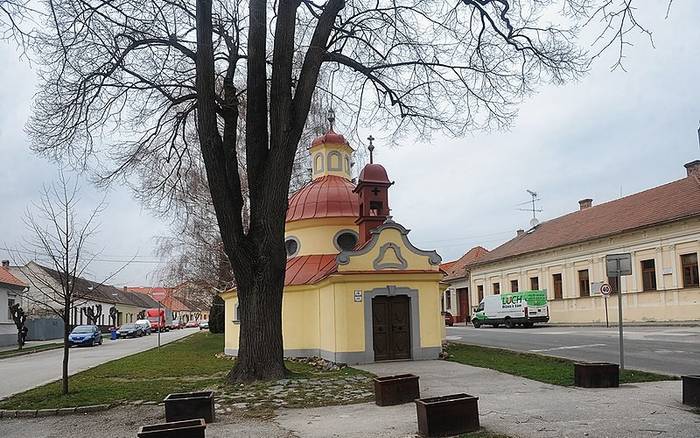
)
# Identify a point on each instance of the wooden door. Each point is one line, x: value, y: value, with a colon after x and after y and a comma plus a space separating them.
x: 463, y: 300
x: 391, y: 327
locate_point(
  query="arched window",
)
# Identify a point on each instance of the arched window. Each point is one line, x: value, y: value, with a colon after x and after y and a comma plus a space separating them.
x: 346, y: 240
x: 291, y: 245
x: 334, y: 162
x: 318, y: 163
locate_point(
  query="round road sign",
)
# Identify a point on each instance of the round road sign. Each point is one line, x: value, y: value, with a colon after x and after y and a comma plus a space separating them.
x: 605, y: 289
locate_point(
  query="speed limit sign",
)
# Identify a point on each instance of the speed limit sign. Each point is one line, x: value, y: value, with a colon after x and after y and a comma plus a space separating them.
x: 605, y: 289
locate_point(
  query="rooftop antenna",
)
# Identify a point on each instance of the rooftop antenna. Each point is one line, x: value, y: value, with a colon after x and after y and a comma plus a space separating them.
x: 533, y: 222
x: 370, y: 148
x: 698, y: 134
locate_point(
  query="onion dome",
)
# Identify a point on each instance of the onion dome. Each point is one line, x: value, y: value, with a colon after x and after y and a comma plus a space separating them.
x: 324, y: 197
x: 374, y: 173
x: 330, y: 137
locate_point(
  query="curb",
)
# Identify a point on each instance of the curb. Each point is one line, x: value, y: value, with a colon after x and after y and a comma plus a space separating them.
x: 32, y: 413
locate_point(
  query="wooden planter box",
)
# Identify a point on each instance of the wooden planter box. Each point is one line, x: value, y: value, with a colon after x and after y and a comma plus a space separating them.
x: 447, y: 415
x: 189, y: 406
x: 691, y: 390
x: 597, y: 375
x: 177, y: 429
x: 396, y: 390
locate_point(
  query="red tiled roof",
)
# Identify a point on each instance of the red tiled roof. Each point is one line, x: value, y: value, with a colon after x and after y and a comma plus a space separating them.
x: 670, y: 202
x: 325, y: 197
x: 458, y: 268
x: 7, y: 278
x: 309, y: 269
x: 170, y: 301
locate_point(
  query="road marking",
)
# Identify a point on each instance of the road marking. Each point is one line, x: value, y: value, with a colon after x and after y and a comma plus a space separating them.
x: 452, y: 338
x: 571, y: 347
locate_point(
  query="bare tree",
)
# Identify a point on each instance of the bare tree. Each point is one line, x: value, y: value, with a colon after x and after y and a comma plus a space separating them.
x: 62, y: 238
x: 143, y: 84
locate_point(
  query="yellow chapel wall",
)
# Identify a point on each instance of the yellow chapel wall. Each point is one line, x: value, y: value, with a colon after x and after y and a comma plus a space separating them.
x: 317, y: 236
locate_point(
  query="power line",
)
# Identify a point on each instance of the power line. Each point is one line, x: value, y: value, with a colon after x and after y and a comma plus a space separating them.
x: 105, y: 260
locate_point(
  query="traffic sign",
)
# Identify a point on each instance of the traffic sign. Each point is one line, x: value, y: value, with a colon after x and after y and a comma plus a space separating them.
x: 158, y: 295
x: 605, y: 289
x: 618, y: 264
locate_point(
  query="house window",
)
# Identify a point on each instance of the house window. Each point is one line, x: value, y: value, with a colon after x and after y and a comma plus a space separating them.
x: 558, y: 293
x: 534, y: 283
x: 496, y: 288
x: 480, y: 292
x: 584, y: 286
x: 614, y: 283
x: 648, y: 275
x: 689, y: 262
x: 448, y: 299
x: 10, y: 303
x: 513, y: 285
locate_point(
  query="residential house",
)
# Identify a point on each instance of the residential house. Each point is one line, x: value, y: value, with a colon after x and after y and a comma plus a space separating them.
x: 659, y: 227
x: 41, y: 301
x: 456, y: 299
x: 11, y: 289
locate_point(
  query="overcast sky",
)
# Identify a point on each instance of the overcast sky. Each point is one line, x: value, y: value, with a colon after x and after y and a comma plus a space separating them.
x: 610, y: 133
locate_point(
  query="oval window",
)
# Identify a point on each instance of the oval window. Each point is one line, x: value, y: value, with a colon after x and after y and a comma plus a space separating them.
x: 292, y: 246
x: 346, y: 241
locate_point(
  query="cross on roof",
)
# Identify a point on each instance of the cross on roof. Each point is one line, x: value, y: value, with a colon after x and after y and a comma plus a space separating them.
x: 371, y: 149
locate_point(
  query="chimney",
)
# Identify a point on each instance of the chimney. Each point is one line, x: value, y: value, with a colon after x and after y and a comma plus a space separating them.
x: 585, y: 203
x: 693, y: 168
x: 520, y: 232
x: 125, y: 289
x: 5, y: 263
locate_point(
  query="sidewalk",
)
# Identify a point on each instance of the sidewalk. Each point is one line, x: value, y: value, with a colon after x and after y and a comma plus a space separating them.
x: 30, y: 344
x: 509, y: 405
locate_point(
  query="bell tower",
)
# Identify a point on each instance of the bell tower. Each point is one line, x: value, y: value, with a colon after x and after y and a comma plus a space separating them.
x: 373, y: 190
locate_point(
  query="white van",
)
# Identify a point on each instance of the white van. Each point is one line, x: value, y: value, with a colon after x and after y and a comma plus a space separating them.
x: 518, y: 308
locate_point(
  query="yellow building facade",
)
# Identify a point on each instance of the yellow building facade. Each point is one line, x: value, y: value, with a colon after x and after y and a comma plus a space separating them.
x: 659, y: 227
x: 356, y: 289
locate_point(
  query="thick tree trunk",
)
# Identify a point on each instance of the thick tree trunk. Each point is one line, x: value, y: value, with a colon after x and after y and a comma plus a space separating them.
x: 260, y: 349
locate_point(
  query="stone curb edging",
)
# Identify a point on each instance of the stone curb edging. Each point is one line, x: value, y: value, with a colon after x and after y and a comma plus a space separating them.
x: 32, y: 413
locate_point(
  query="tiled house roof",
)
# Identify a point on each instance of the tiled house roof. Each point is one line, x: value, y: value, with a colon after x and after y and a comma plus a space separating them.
x: 670, y: 202
x: 458, y: 268
x: 6, y: 278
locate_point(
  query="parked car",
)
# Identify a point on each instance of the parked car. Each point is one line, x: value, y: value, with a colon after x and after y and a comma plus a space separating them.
x: 192, y: 323
x: 449, y: 319
x: 145, y: 326
x: 203, y: 325
x: 130, y: 331
x: 85, y: 335
x: 176, y: 324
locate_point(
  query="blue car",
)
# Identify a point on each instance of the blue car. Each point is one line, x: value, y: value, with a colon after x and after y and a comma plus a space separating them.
x: 85, y: 335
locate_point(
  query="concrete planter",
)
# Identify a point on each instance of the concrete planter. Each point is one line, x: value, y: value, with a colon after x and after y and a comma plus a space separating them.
x: 691, y: 390
x: 597, y: 375
x: 447, y: 415
x: 177, y: 429
x: 396, y: 390
x: 189, y: 406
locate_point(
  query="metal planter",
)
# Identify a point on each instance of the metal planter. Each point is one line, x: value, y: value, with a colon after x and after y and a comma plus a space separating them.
x: 177, y: 429
x: 447, y: 415
x: 691, y: 390
x: 597, y: 375
x: 396, y: 390
x: 189, y: 406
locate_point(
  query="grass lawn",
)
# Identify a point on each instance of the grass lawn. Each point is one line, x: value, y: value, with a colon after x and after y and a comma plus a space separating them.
x: 29, y: 350
x: 186, y: 365
x: 545, y: 369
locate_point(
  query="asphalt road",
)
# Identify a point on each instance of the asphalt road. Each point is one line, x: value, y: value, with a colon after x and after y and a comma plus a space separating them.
x: 669, y: 350
x: 21, y: 373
